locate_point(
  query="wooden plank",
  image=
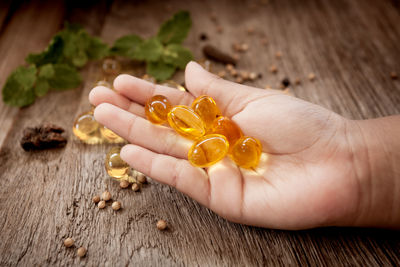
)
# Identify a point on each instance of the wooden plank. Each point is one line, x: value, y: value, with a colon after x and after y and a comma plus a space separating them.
x: 46, y: 196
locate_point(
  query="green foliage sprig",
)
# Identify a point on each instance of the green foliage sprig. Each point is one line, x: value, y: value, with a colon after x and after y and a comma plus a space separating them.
x: 57, y: 67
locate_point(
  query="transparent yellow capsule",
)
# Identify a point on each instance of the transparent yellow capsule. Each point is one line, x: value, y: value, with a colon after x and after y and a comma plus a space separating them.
x: 111, y: 66
x: 186, y: 122
x: 173, y: 84
x: 226, y: 127
x: 208, y: 150
x: 157, y: 108
x: 86, y: 128
x: 207, y: 109
x: 110, y: 136
x: 246, y: 152
x: 115, y: 166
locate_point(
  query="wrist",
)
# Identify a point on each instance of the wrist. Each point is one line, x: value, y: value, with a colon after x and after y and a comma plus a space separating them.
x: 375, y: 147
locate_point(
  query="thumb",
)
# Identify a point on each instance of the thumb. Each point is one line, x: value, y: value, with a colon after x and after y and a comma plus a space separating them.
x: 231, y: 97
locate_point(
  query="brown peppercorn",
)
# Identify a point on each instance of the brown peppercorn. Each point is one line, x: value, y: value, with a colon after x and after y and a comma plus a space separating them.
x: 96, y: 199
x: 106, y: 196
x: 116, y: 205
x: 394, y: 75
x: 69, y: 242
x: 141, y: 178
x: 278, y: 54
x: 101, y: 205
x: 222, y: 73
x: 239, y: 80
x: 244, y: 74
x: 161, y: 225
x: 233, y: 73
x: 297, y: 81
x: 81, y: 252
x: 311, y: 76
x: 124, y: 184
x: 273, y: 69
x: 135, y: 187
x: 229, y: 67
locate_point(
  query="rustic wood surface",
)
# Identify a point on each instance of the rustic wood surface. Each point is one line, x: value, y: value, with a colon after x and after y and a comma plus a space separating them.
x: 351, y: 46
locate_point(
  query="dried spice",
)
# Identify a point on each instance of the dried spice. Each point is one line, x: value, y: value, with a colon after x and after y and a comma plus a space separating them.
x: 311, y: 76
x: 394, y: 75
x: 116, y: 205
x: 214, y: 53
x: 203, y: 37
x: 81, y: 252
x: 161, y: 225
x: 43, y: 137
x: 285, y: 82
x: 69, y: 242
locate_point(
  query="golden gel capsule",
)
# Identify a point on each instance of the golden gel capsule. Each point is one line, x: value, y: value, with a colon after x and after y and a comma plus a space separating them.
x: 157, y: 109
x: 246, y: 152
x: 86, y: 128
x: 226, y: 127
x: 115, y: 166
x: 110, y: 136
x: 186, y: 122
x: 208, y: 150
x: 207, y: 109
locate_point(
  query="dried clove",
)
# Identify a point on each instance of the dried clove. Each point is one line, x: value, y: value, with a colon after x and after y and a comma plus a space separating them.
x: 43, y: 137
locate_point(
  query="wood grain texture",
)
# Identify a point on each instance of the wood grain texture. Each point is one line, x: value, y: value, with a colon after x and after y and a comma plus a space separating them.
x: 46, y: 196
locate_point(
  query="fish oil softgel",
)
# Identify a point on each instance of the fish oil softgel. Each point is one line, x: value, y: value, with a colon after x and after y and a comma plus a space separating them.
x: 226, y: 127
x: 110, y: 136
x: 207, y: 109
x: 86, y: 128
x: 115, y: 166
x: 208, y: 150
x: 186, y: 122
x: 157, y: 109
x: 246, y: 152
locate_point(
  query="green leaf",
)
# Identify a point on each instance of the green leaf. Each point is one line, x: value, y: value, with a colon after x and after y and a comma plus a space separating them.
x: 41, y: 87
x: 97, y: 49
x: 52, y: 54
x: 175, y: 30
x: 160, y: 70
x: 126, y: 46
x: 65, y: 77
x: 46, y: 71
x: 18, y: 89
x: 177, y: 55
x: 149, y: 50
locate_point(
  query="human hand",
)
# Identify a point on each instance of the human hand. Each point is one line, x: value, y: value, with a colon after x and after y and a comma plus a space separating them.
x: 306, y: 176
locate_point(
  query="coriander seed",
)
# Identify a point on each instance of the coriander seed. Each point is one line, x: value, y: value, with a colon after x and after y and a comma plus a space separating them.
x: 252, y: 76
x: 222, y: 74
x: 81, y: 252
x: 161, y: 225
x: 273, y: 69
x: 311, y: 76
x: 135, y: 187
x: 101, y: 205
x: 106, y: 196
x: 96, y: 199
x: 124, y: 184
x: 69, y: 242
x: 394, y: 75
x: 116, y: 205
x: 141, y: 178
x: 278, y: 54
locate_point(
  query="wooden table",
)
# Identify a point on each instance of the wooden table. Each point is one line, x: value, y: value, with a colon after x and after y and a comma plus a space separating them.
x: 351, y: 46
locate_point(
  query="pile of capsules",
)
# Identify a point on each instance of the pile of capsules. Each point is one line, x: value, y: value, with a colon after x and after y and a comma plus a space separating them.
x: 214, y: 135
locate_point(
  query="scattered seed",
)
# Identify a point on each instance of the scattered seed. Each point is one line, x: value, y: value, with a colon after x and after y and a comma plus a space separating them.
x: 124, y: 184
x: 244, y: 47
x: 229, y: 67
x: 311, y: 76
x: 220, y: 29
x: 69, y: 242
x: 203, y: 36
x: 116, y: 205
x: 273, y: 69
x: 252, y: 76
x: 214, y: 53
x: 233, y: 72
x: 267, y: 86
x: 285, y: 82
x: 161, y: 225
x: 297, y: 81
x: 394, y: 75
x: 135, y: 187
x: 81, y: 252
x: 236, y: 57
x: 244, y: 75
x: 101, y: 205
x: 278, y: 54
x: 250, y: 30
x: 239, y: 79
x: 106, y: 196
x: 264, y: 41
x: 141, y: 178
x: 222, y: 73
x: 96, y: 199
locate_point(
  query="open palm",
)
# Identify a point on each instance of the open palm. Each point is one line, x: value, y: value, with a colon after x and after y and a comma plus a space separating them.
x: 305, y: 177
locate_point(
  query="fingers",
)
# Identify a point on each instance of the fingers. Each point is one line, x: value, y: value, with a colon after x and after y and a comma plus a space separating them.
x: 140, y: 91
x: 168, y: 170
x: 101, y: 94
x: 230, y: 97
x: 141, y: 132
